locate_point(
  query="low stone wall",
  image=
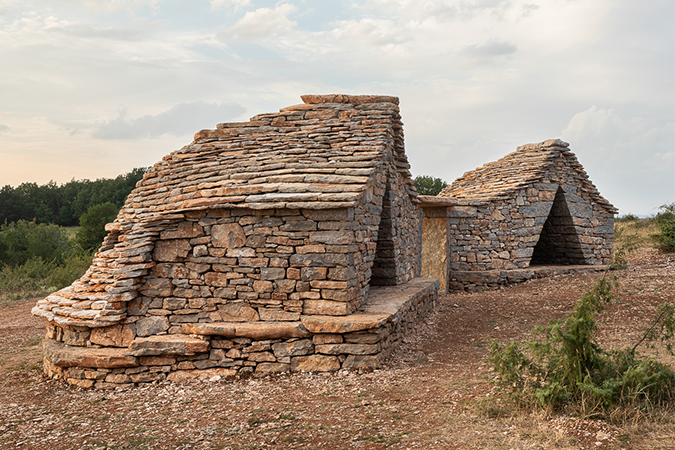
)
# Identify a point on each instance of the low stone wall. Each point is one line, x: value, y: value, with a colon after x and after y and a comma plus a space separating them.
x: 473, y: 280
x: 316, y: 343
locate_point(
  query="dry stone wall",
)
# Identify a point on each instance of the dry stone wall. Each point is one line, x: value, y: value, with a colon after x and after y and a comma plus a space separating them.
x: 110, y: 357
x: 241, y: 251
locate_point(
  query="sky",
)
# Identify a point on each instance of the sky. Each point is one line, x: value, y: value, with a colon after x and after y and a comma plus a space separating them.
x: 93, y: 88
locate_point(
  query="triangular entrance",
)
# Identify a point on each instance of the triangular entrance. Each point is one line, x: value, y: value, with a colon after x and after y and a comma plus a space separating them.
x: 558, y: 242
x: 384, y: 266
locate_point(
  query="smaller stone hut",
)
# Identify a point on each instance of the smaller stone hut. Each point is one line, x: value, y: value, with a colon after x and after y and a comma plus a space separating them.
x: 531, y: 213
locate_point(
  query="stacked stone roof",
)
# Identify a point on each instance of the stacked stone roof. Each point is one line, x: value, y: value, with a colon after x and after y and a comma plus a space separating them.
x: 530, y: 163
x: 316, y: 155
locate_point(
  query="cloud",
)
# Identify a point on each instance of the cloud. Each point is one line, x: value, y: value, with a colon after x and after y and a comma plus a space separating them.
x: 112, y: 6
x: 369, y: 31
x: 637, y: 150
x: 217, y: 4
x: 80, y: 30
x: 3, y: 128
x: 491, y: 49
x: 261, y: 23
x: 182, y: 119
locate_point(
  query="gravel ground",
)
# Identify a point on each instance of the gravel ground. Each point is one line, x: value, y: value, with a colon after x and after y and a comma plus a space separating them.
x: 433, y: 394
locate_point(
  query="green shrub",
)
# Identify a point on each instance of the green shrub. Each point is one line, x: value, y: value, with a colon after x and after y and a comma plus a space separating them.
x: 563, y: 367
x: 426, y: 185
x: 21, y: 241
x: 37, y: 277
x: 36, y: 259
x: 630, y: 217
x: 92, y: 225
x: 665, y: 220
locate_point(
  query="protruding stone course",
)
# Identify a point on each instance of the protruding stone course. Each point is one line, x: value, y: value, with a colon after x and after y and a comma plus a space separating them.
x: 240, y: 349
x: 536, y: 206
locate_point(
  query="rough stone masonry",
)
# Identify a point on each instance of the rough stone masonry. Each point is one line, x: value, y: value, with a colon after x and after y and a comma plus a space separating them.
x: 289, y: 242
x: 296, y: 242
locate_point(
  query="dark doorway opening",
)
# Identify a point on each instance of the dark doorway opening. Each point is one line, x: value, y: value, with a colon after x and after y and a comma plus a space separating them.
x: 384, y: 266
x: 558, y: 242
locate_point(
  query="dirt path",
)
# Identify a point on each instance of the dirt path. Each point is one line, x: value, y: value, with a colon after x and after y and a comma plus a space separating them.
x: 433, y: 394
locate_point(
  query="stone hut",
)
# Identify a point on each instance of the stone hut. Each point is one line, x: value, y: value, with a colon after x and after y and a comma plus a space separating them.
x: 289, y: 242
x: 531, y: 213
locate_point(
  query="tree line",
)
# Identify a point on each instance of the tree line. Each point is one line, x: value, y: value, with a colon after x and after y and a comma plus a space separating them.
x: 64, y: 204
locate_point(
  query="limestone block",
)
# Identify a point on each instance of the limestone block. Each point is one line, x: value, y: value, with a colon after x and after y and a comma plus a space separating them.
x: 332, y: 237
x: 230, y: 235
x: 171, y: 250
x: 148, y: 326
x: 320, y: 260
x: 325, y: 307
x: 275, y: 314
x: 256, y: 330
x: 62, y: 355
x: 272, y: 273
x: 362, y: 338
x: 261, y: 286
x: 350, y: 349
x: 237, y: 312
x: 315, y: 363
x: 114, y: 336
x: 157, y: 287
x: 313, y: 273
x: 342, y: 324
x: 147, y: 377
x: 311, y: 248
x: 172, y: 304
x: 243, y: 252
x: 295, y: 348
x: 262, y: 357
x: 168, y: 345
x: 462, y: 211
x: 77, y: 336
x: 119, y: 378
x: 285, y: 286
x: 319, y: 339
x: 156, y: 360
x: 200, y: 250
x: 184, y: 230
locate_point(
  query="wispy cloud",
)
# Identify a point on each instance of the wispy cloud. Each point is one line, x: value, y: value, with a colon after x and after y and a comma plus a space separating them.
x: 112, y: 6
x: 81, y: 30
x: 182, y: 119
x: 3, y: 128
x: 490, y: 49
x: 261, y: 23
x: 218, y: 4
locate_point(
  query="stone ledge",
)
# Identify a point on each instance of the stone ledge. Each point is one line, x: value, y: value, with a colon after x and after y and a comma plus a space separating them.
x: 252, y: 330
x: 62, y: 355
x: 168, y: 345
x: 361, y: 341
x: 381, y: 305
x: 492, y: 279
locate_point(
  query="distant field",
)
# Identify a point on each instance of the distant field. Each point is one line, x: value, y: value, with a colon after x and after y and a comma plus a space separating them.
x: 71, y: 231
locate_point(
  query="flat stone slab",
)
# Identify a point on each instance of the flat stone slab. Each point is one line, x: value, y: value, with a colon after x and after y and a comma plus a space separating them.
x: 390, y: 299
x: 62, y: 355
x: 252, y: 330
x: 520, y: 275
x: 168, y: 345
x: 382, y: 304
